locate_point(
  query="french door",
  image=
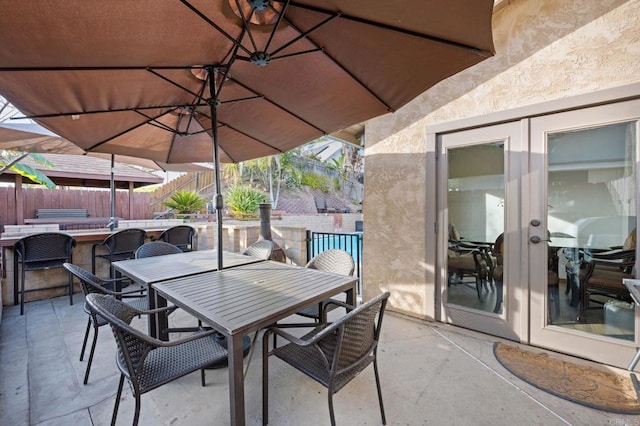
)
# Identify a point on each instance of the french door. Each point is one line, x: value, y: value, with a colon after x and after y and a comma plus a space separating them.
x: 526, y: 212
x: 583, y: 197
x: 482, y: 287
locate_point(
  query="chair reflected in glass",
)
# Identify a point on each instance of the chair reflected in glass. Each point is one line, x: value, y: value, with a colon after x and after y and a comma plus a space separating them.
x: 331, y: 354
x: 602, y: 273
x: 469, y: 259
x: 120, y: 245
x: 182, y: 236
x: 92, y: 284
x: 148, y: 363
x: 42, y: 251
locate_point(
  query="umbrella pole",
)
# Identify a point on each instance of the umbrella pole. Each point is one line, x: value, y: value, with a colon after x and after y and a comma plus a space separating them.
x: 112, y: 183
x: 217, y: 201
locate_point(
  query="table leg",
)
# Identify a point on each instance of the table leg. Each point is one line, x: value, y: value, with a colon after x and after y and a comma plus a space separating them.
x: 236, y: 379
x: 153, y: 323
x: 162, y: 320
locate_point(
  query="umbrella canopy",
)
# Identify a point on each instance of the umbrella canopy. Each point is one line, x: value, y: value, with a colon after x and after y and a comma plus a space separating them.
x: 174, y: 81
x: 32, y: 137
x: 122, y: 77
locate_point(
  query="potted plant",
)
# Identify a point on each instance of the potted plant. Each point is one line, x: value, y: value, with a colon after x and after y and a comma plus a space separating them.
x: 185, y: 202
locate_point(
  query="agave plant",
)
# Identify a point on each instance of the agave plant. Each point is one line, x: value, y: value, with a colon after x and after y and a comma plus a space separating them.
x: 243, y: 200
x: 185, y: 202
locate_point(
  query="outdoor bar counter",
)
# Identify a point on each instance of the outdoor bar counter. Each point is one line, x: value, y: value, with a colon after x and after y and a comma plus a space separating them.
x: 81, y: 256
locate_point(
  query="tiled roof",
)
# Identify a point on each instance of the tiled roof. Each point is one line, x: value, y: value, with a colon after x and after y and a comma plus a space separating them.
x: 84, y: 169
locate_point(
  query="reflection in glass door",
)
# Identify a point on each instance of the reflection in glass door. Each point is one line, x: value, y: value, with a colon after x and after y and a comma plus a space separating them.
x: 591, y: 216
x: 475, y: 200
x: 584, y: 200
x: 480, y: 284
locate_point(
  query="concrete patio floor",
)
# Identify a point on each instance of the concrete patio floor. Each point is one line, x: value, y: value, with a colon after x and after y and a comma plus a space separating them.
x: 431, y: 374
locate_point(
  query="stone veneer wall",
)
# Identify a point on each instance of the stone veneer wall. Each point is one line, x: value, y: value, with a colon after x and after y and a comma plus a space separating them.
x: 546, y: 50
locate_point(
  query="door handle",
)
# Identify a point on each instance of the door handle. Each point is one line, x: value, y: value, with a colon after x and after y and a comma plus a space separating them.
x: 536, y: 240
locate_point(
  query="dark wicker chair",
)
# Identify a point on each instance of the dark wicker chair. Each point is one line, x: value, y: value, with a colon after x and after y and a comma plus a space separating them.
x: 331, y: 354
x: 148, y: 363
x: 120, y: 245
x: 262, y: 249
x: 37, y: 252
x: 92, y: 284
x: 603, y: 274
x: 336, y: 261
x: 160, y: 248
x: 183, y: 236
x: 156, y: 248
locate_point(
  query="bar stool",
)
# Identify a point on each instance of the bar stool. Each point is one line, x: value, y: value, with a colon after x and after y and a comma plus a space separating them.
x: 35, y: 252
x: 120, y: 245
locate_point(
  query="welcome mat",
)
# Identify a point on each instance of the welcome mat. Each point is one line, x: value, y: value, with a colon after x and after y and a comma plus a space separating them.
x: 584, y: 385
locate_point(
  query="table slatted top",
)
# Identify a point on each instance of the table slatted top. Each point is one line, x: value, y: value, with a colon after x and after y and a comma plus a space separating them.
x: 150, y: 270
x: 252, y: 296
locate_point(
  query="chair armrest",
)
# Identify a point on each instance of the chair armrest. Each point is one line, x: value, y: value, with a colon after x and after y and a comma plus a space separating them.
x: 338, y: 303
x: 287, y: 336
x: 195, y: 336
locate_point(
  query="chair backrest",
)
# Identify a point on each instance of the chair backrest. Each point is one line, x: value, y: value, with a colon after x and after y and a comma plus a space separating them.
x: 89, y: 282
x: 133, y: 345
x: 357, y: 334
x: 180, y: 235
x: 333, y: 260
x: 125, y: 241
x: 156, y: 248
x: 261, y: 249
x: 46, y: 246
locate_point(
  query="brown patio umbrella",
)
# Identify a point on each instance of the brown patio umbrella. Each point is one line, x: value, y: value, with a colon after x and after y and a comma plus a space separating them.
x: 174, y: 80
x: 31, y: 137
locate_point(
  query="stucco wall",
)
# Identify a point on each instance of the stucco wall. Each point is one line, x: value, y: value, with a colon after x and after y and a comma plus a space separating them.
x: 545, y: 50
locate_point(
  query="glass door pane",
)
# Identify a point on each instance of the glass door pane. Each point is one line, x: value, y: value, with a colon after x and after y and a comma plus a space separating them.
x: 591, y: 219
x: 475, y: 200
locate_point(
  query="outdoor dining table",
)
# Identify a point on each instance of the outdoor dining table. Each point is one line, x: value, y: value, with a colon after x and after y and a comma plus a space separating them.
x: 151, y: 270
x: 247, y: 298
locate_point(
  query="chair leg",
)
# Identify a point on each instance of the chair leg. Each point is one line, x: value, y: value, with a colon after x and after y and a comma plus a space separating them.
x: 331, y: 414
x: 136, y: 414
x: 375, y: 370
x: 22, y: 291
x: 117, y: 404
x: 93, y: 350
x: 70, y: 289
x: 86, y: 337
x: 202, y: 377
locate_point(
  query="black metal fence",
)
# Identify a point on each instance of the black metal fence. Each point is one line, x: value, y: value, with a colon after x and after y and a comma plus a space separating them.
x: 317, y: 242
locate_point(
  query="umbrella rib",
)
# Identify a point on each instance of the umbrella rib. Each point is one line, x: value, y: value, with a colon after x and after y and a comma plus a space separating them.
x: 223, y: 124
x: 348, y: 72
x: 100, y: 111
x: 214, y: 25
x: 248, y: 98
x: 277, y: 23
x: 168, y: 80
x: 124, y: 131
x: 305, y: 33
x: 244, y: 86
x: 245, y: 24
x: 435, y: 39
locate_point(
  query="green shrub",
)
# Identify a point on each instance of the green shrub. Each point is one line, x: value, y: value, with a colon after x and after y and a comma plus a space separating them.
x: 243, y: 201
x: 316, y: 181
x: 186, y: 202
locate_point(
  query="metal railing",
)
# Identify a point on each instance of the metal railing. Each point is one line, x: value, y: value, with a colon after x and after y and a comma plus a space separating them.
x: 317, y: 242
